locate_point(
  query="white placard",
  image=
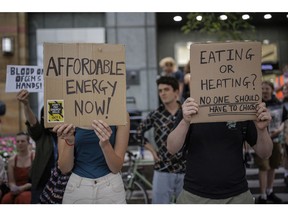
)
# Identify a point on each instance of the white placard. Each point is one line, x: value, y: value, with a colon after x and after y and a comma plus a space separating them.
x: 24, y: 77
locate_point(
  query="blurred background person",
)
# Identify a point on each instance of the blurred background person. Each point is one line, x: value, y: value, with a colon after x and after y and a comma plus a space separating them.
x: 18, y: 173
x: 285, y: 143
x: 169, y: 68
x: 267, y: 166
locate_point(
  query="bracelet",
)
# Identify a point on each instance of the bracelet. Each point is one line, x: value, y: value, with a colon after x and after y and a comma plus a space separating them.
x: 68, y: 143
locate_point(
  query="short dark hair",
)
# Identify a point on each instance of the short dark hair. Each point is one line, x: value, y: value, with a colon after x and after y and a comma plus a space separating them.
x: 168, y: 81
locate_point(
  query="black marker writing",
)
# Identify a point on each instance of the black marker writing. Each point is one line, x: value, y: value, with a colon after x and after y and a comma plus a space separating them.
x: 208, y: 57
x: 84, y: 66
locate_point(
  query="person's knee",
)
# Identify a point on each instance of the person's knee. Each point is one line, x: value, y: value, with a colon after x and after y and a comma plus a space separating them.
x: 23, y: 198
x: 7, y: 199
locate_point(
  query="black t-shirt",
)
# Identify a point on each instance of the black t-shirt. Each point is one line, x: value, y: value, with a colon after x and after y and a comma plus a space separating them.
x: 215, y: 167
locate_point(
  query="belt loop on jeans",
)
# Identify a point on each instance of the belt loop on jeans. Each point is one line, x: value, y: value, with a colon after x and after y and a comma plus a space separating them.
x: 79, y: 182
x: 107, y: 179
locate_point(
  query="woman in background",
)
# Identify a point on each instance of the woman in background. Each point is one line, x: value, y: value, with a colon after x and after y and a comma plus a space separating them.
x: 18, y: 172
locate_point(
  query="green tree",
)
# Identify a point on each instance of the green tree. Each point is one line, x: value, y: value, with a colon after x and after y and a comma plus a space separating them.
x: 233, y: 28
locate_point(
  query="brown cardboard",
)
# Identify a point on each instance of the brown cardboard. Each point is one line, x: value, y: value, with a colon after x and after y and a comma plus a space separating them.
x: 226, y: 80
x: 100, y: 72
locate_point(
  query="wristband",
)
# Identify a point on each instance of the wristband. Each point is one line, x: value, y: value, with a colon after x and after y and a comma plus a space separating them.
x: 68, y: 143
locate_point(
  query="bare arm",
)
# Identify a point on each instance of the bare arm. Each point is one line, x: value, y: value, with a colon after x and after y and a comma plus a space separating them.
x: 25, y: 187
x: 181, y: 87
x: 264, y: 144
x: 177, y: 137
x: 66, y: 140
x: 187, y: 78
x: 22, y: 97
x: 10, y: 170
x: 114, y: 156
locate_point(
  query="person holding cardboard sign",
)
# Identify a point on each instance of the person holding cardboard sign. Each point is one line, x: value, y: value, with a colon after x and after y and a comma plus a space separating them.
x: 215, y: 170
x: 46, y: 147
x: 95, y: 156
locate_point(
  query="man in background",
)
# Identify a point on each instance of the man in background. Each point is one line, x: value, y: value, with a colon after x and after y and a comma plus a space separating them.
x: 168, y: 169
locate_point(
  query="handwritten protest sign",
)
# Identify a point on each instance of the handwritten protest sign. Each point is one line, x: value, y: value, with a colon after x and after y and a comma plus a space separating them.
x: 83, y: 82
x: 226, y: 80
x: 24, y: 77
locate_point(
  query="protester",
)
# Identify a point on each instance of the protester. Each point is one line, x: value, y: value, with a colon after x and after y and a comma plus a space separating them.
x: 215, y: 170
x: 168, y: 170
x: 46, y: 147
x: 95, y: 155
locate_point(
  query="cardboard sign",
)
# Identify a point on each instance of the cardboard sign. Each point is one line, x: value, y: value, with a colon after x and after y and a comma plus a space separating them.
x: 226, y: 80
x: 24, y: 77
x: 83, y: 82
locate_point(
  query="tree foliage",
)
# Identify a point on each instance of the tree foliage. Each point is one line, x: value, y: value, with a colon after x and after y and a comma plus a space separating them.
x: 232, y: 28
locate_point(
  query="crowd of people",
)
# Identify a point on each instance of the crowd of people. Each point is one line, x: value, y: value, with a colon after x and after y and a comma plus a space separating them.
x: 185, y: 157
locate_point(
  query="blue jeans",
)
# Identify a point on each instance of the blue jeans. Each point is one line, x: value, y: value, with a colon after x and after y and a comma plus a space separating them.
x: 166, y: 187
